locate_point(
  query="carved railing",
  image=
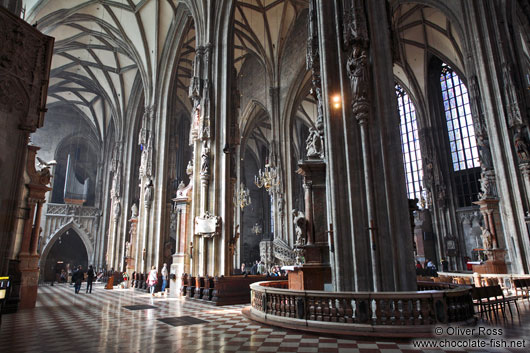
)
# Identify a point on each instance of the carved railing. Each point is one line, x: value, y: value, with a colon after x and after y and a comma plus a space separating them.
x: 57, y: 215
x: 277, y: 251
x: 372, y: 313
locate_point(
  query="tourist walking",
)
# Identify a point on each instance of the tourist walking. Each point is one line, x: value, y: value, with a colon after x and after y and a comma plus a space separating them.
x: 152, y: 280
x: 89, y: 279
x: 77, y: 278
x: 164, y: 278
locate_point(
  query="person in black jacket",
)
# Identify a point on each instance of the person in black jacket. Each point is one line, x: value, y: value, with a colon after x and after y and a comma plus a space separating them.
x: 77, y: 278
x: 89, y: 279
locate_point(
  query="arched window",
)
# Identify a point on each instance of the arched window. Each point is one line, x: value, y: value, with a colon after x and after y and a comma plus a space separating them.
x: 464, y: 152
x: 410, y: 144
x: 462, y: 141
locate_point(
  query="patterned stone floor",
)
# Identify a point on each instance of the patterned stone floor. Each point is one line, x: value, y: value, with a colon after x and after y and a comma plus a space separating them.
x: 98, y: 322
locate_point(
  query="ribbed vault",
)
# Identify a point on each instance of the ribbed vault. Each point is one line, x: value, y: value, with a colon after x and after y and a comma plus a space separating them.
x: 100, y: 47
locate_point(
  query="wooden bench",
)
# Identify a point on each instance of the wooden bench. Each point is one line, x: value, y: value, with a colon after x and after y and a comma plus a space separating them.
x: 190, y: 289
x: 184, y: 284
x: 491, y: 298
x: 522, y: 285
x: 209, y: 283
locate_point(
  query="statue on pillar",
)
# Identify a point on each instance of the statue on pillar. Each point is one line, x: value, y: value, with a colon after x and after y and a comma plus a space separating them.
x: 521, y: 146
x: 117, y: 208
x: 300, y: 232
x: 357, y: 67
x: 127, y: 249
x: 205, y: 161
x: 313, y: 144
x: 148, y: 193
x: 134, y: 211
x: 487, y: 239
x: 484, y: 151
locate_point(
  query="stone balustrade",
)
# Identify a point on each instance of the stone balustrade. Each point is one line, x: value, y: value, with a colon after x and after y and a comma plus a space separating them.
x: 392, y: 314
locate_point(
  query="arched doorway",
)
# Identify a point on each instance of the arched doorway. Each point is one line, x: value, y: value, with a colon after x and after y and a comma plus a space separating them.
x: 67, y: 251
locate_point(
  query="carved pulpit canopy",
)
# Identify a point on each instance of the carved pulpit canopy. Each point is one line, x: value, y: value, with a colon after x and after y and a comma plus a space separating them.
x: 208, y: 225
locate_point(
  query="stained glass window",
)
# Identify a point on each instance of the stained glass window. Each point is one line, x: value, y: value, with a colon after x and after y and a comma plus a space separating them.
x: 464, y: 152
x: 410, y: 144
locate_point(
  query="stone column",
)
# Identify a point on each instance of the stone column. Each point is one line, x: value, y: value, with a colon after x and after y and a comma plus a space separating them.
x: 181, y: 258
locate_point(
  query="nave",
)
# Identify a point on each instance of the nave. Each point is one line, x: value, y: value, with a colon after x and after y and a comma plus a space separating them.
x: 98, y: 322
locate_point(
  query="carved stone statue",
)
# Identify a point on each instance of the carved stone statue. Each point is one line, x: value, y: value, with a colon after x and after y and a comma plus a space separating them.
x: 148, y: 193
x: 487, y: 238
x: 205, y: 161
x: 127, y: 249
x: 117, y: 208
x: 358, y: 74
x: 299, y: 227
x: 521, y: 146
x: 313, y: 144
x: 484, y: 152
x: 134, y: 211
x: 488, y: 185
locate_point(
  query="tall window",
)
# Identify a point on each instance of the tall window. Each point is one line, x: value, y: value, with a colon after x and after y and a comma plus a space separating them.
x: 462, y: 141
x: 464, y: 152
x: 410, y: 144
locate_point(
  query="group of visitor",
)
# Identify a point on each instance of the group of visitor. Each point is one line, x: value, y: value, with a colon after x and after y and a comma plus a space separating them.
x: 428, y: 268
x: 78, y: 276
x: 152, y: 279
x: 259, y: 268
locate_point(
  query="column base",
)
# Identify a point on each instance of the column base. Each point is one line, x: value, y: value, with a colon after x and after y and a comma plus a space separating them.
x: 29, y: 285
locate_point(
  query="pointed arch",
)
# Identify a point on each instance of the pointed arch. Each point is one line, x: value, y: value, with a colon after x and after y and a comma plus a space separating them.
x: 85, y: 238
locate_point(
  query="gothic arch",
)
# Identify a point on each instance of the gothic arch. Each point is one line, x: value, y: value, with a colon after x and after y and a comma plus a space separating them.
x: 62, y: 230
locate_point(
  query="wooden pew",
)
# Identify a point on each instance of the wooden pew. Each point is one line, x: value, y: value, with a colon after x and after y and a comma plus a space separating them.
x: 199, y: 287
x: 191, y: 288
x: 184, y: 286
x: 209, y: 283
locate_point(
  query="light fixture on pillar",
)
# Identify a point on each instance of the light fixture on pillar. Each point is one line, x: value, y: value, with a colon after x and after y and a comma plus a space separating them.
x: 243, y: 196
x: 336, y: 101
x: 257, y: 229
x: 267, y: 178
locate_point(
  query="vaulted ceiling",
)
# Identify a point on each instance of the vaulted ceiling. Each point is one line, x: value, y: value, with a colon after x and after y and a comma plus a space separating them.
x: 103, y: 48
x: 422, y: 30
x: 261, y: 28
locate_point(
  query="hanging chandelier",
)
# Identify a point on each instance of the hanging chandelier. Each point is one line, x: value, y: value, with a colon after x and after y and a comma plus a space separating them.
x: 243, y: 196
x: 257, y: 229
x: 267, y: 178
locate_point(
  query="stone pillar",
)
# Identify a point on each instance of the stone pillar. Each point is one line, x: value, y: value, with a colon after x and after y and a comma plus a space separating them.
x: 496, y: 250
x: 130, y: 246
x: 181, y: 258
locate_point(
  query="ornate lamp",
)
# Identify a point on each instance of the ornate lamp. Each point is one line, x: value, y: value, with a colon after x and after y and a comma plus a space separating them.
x: 267, y: 178
x: 243, y: 196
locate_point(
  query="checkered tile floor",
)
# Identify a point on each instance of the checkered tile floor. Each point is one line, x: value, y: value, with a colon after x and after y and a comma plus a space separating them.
x: 98, y: 322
